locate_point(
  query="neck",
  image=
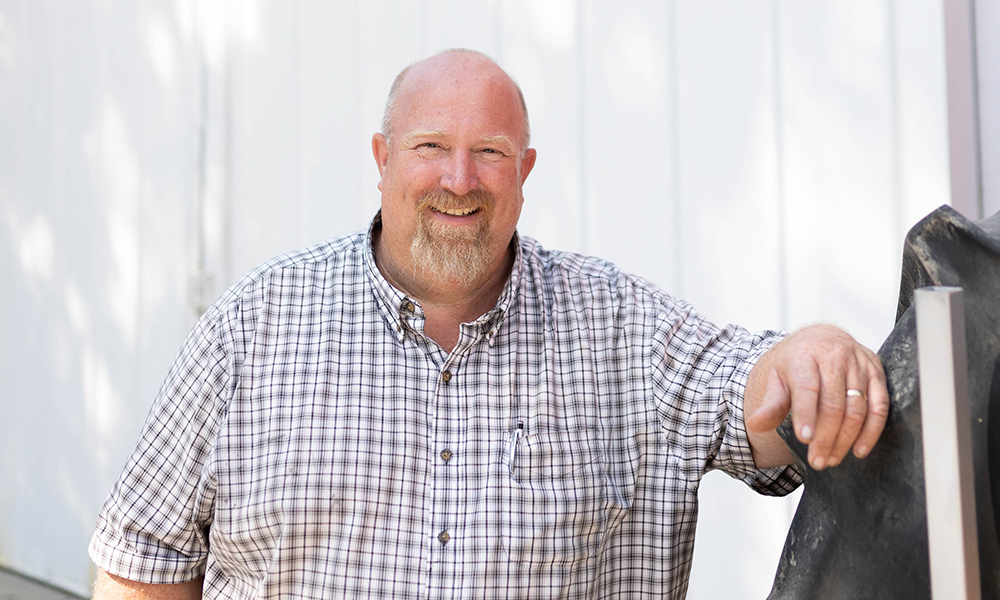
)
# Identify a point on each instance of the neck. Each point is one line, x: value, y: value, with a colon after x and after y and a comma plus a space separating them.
x: 446, y: 304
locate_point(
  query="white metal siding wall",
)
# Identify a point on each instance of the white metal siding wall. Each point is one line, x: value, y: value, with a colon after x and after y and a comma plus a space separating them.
x: 761, y: 158
x: 987, y: 16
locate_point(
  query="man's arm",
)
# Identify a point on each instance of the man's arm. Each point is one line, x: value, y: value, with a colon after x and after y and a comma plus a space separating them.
x: 112, y: 587
x: 809, y: 374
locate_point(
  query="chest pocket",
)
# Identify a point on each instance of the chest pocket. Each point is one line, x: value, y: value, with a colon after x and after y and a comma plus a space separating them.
x: 556, y: 497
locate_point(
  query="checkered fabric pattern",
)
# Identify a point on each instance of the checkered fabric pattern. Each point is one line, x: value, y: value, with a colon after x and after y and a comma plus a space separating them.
x: 310, y: 442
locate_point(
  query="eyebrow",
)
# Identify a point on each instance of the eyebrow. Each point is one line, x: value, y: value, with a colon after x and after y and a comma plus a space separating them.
x: 424, y: 133
x: 498, y: 140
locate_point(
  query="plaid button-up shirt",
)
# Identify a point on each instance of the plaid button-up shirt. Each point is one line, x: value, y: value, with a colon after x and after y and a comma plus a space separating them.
x: 311, y: 442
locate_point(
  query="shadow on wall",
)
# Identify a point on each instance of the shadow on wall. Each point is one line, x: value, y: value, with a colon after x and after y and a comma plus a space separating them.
x: 101, y: 127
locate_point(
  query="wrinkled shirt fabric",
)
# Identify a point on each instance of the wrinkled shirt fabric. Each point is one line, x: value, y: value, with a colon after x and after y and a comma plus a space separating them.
x: 311, y: 442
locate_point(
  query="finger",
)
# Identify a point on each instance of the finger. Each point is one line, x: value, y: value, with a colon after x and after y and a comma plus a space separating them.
x: 855, y: 405
x: 803, y: 379
x: 855, y: 411
x: 878, y: 408
x: 830, y: 408
x: 773, y: 406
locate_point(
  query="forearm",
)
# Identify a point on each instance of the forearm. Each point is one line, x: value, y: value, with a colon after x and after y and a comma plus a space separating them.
x: 112, y: 587
x: 767, y: 447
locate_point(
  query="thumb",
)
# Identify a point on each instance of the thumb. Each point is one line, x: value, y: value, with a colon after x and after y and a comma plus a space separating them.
x: 774, y: 405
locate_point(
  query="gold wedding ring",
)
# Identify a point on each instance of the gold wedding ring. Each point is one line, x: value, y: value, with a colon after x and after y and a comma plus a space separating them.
x: 855, y: 393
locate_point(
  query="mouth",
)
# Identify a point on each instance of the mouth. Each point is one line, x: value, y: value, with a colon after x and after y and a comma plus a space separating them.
x: 456, y: 212
x: 451, y: 210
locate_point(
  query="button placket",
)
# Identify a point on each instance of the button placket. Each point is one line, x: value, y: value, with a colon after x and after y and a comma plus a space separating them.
x: 447, y: 496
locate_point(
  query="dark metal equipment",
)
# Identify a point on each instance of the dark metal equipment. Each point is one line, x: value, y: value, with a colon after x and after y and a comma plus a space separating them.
x: 861, y: 529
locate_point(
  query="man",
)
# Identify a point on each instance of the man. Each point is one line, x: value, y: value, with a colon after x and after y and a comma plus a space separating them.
x: 441, y: 408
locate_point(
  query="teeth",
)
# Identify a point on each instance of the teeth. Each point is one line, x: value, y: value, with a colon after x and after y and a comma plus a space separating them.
x: 457, y: 212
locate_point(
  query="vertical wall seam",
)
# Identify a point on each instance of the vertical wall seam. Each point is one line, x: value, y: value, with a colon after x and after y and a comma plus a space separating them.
x: 779, y: 145
x: 895, y: 143
x: 356, y: 125
x: 581, y: 119
x: 673, y: 109
x: 302, y: 187
x: 142, y: 142
x: 196, y: 280
x: 975, y: 108
x: 228, y: 67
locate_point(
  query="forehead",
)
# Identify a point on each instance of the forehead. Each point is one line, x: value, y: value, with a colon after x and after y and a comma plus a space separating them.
x: 459, y: 96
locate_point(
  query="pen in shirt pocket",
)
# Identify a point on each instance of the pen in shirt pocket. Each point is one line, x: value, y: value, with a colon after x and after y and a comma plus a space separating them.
x: 512, y: 447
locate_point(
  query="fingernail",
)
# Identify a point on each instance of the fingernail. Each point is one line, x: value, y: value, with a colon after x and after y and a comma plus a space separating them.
x: 862, y: 451
x: 806, y: 432
x: 834, y: 462
x: 818, y: 463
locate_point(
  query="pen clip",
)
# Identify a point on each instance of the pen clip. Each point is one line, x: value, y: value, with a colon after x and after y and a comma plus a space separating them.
x: 512, y: 448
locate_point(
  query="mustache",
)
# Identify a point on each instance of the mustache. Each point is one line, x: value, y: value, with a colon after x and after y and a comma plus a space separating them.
x: 443, y: 199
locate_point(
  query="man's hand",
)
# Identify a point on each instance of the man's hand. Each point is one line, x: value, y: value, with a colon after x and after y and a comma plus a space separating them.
x: 834, y: 388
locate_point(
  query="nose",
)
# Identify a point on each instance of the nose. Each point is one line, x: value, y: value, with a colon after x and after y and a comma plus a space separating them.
x: 460, y: 174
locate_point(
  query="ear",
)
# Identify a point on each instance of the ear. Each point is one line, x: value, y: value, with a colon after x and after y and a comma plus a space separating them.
x: 380, y: 150
x: 527, y: 163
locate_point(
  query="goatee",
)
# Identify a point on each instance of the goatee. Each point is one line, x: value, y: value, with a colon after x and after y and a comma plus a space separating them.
x: 452, y: 254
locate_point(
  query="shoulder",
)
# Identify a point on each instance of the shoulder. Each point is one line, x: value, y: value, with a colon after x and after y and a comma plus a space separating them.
x: 300, y: 274
x: 587, y: 276
x: 334, y: 252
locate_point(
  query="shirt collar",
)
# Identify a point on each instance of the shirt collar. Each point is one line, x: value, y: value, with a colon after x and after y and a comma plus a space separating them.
x: 398, y: 309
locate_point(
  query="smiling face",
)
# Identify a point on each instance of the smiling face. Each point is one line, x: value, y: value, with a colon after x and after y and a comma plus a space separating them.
x: 451, y: 174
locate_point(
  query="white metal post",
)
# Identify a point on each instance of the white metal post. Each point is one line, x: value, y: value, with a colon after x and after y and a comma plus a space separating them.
x: 947, y: 437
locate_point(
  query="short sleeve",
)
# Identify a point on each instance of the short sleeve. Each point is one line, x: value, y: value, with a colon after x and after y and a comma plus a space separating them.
x: 154, y: 525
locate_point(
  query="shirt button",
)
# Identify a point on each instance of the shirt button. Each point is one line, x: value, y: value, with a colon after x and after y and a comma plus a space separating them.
x: 443, y: 537
x: 408, y: 307
x: 446, y: 376
x: 446, y: 455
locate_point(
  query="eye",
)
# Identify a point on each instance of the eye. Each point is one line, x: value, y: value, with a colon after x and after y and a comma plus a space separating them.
x: 429, y: 149
x: 492, y: 153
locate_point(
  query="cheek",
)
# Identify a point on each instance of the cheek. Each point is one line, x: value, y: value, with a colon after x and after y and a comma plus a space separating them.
x: 407, y: 177
x: 508, y: 212
x: 503, y: 183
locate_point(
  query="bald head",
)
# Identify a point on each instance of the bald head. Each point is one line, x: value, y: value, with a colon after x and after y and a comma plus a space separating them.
x: 449, y: 63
